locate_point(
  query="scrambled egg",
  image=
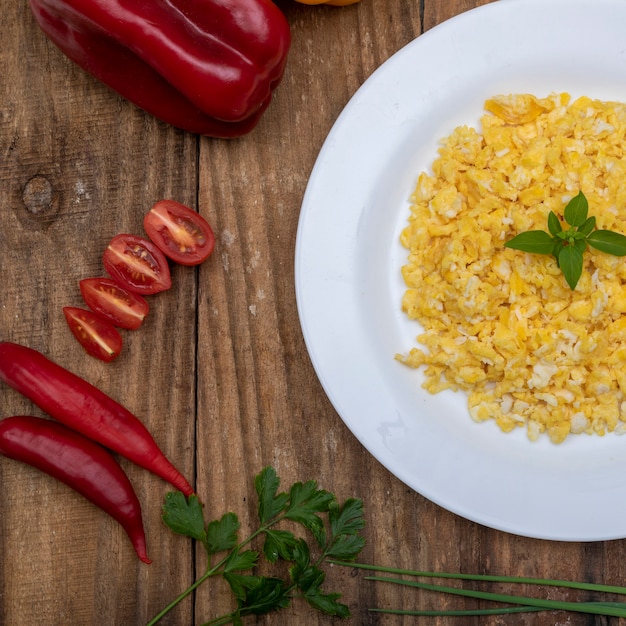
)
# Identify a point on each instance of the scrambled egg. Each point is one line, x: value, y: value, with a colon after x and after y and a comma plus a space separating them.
x: 503, y: 325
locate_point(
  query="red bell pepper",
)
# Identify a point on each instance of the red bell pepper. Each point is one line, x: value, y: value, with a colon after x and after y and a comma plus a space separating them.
x: 206, y: 66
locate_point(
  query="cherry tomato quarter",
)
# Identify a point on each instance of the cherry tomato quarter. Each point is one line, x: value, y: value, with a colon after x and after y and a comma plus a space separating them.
x: 137, y: 264
x: 110, y: 300
x: 96, y: 335
x: 182, y: 234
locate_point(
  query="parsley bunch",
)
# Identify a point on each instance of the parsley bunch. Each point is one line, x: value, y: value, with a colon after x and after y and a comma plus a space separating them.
x: 336, y: 536
x: 338, y: 542
x: 568, y: 245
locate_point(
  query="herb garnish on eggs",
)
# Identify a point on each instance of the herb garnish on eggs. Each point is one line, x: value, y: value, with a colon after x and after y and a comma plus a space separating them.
x: 568, y: 246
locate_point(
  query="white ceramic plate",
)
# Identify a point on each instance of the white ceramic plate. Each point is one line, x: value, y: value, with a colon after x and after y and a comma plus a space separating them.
x: 348, y: 262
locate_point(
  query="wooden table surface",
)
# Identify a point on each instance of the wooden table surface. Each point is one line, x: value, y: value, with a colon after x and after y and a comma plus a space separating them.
x: 219, y: 372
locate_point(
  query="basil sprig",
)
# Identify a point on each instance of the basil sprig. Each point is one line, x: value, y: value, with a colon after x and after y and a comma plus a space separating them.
x: 568, y: 245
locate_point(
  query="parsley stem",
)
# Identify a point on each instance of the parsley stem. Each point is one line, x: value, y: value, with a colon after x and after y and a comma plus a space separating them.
x: 213, y: 571
x: 210, y: 572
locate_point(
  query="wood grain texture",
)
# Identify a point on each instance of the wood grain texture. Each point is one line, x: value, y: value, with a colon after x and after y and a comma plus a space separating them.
x: 219, y: 372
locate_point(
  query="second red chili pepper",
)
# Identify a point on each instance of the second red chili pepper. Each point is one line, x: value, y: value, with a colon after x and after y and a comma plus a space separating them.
x: 83, y: 407
x: 81, y: 464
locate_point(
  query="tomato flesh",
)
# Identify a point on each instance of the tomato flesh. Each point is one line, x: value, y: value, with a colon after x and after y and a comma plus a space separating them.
x: 182, y: 234
x: 137, y: 264
x: 110, y: 300
x: 96, y: 335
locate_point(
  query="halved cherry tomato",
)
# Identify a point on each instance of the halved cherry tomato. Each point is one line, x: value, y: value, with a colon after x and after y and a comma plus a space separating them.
x: 137, y: 264
x: 180, y: 233
x: 110, y: 300
x: 97, y: 336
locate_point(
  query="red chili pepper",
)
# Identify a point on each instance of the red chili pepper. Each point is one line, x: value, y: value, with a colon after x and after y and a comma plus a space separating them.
x: 81, y: 406
x: 81, y: 464
x: 206, y: 66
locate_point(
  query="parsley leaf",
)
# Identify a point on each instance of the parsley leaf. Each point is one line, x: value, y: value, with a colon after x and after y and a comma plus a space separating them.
x: 327, y: 603
x: 240, y: 584
x: 184, y: 517
x: 346, y: 547
x: 268, y: 594
x: 271, y: 504
x: 222, y: 533
x: 309, y: 578
x: 238, y: 561
x: 278, y: 544
x: 345, y: 523
x: 305, y: 501
x: 346, y: 519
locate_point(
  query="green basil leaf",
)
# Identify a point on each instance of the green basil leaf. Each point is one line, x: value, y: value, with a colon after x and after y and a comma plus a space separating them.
x: 608, y: 241
x: 571, y: 264
x: 554, y: 224
x: 535, y: 241
x: 587, y: 226
x: 576, y: 210
x: 580, y: 244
